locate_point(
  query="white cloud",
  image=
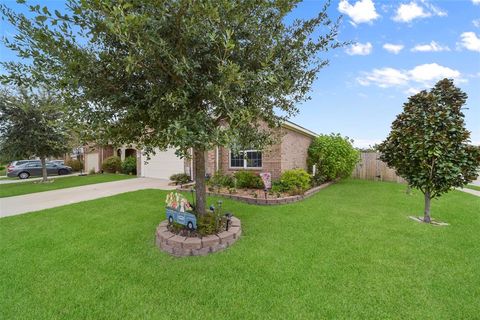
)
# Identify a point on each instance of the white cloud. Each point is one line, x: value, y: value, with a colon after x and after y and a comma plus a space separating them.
x: 384, y: 78
x: 476, y: 23
x: 436, y: 11
x: 430, y: 47
x: 408, y: 12
x: 360, y: 49
x: 470, y: 41
x: 420, y: 76
x: 426, y: 73
x: 393, y: 48
x: 411, y: 91
x: 360, y: 12
x: 476, y: 1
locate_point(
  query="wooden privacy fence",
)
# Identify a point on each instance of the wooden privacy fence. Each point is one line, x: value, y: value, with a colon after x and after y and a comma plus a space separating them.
x: 370, y: 167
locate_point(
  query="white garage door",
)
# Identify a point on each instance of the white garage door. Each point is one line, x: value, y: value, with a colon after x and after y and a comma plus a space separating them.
x: 162, y: 165
x: 92, y: 162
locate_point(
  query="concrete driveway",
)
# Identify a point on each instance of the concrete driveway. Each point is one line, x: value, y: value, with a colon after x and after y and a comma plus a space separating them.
x: 49, y: 199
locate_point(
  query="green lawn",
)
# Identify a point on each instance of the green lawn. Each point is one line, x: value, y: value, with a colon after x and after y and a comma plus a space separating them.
x: 349, y: 252
x: 471, y: 186
x: 16, y: 189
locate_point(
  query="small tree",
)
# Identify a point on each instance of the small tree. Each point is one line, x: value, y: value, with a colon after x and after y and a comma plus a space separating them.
x: 428, y: 145
x: 31, y: 125
x: 333, y: 156
x: 183, y: 74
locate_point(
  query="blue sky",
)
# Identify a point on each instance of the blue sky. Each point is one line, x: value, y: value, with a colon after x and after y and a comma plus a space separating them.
x: 365, y: 86
x: 401, y: 47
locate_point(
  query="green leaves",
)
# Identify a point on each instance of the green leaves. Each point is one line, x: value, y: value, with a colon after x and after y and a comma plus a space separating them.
x: 187, y: 74
x: 31, y: 124
x: 333, y: 156
x: 428, y: 144
x: 41, y: 19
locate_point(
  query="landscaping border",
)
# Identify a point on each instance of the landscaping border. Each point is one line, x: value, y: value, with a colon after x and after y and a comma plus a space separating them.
x: 188, y: 246
x: 270, y: 202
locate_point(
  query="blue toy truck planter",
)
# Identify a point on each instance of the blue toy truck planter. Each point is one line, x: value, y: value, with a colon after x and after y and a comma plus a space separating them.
x: 184, y: 218
x: 177, y: 211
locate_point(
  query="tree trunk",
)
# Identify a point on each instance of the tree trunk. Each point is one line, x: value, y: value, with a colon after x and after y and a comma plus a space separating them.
x: 200, y: 187
x: 44, y: 169
x: 426, y: 216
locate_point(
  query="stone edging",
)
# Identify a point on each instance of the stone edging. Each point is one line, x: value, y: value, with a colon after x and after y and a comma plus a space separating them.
x: 183, y: 246
x: 269, y: 202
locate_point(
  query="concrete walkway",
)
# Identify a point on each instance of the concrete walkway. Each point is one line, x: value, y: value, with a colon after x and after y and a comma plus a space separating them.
x: 49, y: 199
x: 471, y: 191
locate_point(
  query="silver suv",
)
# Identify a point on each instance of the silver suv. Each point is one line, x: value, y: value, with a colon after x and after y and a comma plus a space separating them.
x: 15, y: 164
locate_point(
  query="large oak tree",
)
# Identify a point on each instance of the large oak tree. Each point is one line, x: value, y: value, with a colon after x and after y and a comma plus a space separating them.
x: 31, y: 125
x: 186, y: 74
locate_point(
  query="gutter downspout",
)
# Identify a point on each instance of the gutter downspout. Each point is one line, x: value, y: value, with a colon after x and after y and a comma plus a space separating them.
x: 191, y: 165
x: 216, y: 160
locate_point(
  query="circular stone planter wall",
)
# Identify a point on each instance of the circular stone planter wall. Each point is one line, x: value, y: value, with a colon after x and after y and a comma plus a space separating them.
x: 184, y: 246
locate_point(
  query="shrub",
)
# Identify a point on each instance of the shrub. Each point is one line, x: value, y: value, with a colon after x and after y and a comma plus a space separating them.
x: 180, y: 178
x: 75, y: 164
x: 318, y: 179
x: 295, y: 181
x: 129, y: 166
x: 221, y: 180
x: 333, y: 155
x: 112, y: 164
x: 210, y: 223
x: 247, y: 179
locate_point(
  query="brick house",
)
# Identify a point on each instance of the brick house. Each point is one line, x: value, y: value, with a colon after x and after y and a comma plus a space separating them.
x: 289, y: 153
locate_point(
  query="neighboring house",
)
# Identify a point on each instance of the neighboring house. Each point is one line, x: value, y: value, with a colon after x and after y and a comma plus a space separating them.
x: 289, y: 153
x: 94, y: 155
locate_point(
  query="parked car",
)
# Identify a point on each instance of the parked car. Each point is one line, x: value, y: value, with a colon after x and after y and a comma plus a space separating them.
x: 61, y: 162
x: 35, y: 169
x: 17, y: 163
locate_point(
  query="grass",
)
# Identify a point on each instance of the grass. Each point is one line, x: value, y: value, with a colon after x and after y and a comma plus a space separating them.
x: 349, y: 252
x: 471, y: 186
x: 16, y: 189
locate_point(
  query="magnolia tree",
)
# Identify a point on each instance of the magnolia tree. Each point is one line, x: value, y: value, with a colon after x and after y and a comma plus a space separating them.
x: 179, y: 73
x: 31, y: 125
x: 429, y: 144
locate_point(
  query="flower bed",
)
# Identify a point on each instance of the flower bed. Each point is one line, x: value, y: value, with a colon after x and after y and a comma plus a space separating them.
x: 247, y: 195
x: 182, y: 246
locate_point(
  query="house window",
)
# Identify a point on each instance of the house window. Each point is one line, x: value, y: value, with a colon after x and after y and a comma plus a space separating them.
x: 246, y: 159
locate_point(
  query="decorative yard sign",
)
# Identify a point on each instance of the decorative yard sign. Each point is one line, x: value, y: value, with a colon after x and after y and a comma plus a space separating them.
x: 267, y: 179
x: 178, y: 209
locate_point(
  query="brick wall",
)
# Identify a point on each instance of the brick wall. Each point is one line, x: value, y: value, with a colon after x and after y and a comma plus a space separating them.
x: 107, y: 152
x: 271, y: 161
x: 294, y: 149
x: 289, y: 153
x: 210, y: 162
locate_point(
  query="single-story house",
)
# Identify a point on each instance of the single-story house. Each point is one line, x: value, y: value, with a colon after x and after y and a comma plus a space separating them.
x: 289, y: 153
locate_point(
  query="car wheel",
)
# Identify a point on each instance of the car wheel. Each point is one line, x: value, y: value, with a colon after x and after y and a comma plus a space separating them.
x: 62, y: 172
x: 170, y: 220
x: 190, y: 225
x: 24, y: 175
